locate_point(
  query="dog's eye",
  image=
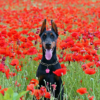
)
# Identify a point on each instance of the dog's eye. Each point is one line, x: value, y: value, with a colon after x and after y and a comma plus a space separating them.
x: 44, y: 36
x: 52, y: 36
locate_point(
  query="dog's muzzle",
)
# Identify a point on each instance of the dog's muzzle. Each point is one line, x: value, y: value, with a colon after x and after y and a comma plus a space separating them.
x: 48, y: 51
x: 48, y: 46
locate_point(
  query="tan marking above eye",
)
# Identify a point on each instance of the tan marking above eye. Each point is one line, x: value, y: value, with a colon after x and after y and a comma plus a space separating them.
x: 45, y: 34
x: 51, y: 34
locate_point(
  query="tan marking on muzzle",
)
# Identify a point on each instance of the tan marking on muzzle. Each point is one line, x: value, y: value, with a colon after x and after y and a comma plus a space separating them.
x: 44, y: 45
x: 53, y: 44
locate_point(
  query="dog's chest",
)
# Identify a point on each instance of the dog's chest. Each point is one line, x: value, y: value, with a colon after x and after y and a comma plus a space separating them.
x: 48, y: 77
x: 42, y: 70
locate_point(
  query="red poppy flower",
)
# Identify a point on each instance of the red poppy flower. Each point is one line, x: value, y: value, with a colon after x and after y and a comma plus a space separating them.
x: 47, y: 95
x: 18, y: 68
x: 88, y: 57
x: 17, y: 84
x: 14, y: 62
x: 84, y: 66
x: 0, y: 86
x: 77, y: 57
x: 75, y: 48
x: 30, y: 87
x: 98, y: 64
x: 12, y: 74
x: 90, y: 97
x: 22, y: 98
x: 37, y: 94
x: 90, y: 64
x: 34, y: 81
x: 68, y: 57
x: 93, y: 52
x: 32, y: 51
x: 2, y: 67
x: 90, y: 71
x: 3, y: 90
x: 75, y: 35
x: 28, y: 44
x: 7, y: 73
x: 81, y: 91
x: 82, y: 51
x: 63, y: 66
x: 97, y: 42
x: 31, y: 38
x: 60, y: 72
x: 23, y: 39
x: 43, y: 90
x: 39, y: 56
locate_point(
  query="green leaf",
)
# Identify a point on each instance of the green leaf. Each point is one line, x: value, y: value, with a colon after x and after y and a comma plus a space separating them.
x: 21, y: 94
x: 1, y: 97
x: 15, y: 96
x: 9, y: 93
x: 6, y: 96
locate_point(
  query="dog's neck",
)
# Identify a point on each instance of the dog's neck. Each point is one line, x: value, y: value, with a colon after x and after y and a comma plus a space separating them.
x: 52, y: 60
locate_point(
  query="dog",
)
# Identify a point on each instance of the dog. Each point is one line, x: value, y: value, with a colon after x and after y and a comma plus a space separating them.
x: 49, y: 62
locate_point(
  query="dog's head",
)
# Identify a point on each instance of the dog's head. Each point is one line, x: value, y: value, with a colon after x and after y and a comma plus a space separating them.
x: 48, y: 39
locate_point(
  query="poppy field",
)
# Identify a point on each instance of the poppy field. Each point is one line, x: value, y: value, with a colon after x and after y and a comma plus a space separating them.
x: 78, y: 47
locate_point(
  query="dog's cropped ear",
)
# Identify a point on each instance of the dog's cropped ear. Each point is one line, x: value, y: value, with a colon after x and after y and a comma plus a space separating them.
x: 54, y: 27
x: 43, y: 28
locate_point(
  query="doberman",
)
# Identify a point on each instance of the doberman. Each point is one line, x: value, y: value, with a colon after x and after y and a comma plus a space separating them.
x: 49, y: 61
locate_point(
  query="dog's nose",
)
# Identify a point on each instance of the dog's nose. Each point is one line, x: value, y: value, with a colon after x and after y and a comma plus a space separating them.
x: 48, y: 45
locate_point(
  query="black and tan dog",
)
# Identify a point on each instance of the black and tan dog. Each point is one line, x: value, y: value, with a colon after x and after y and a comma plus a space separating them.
x: 49, y: 61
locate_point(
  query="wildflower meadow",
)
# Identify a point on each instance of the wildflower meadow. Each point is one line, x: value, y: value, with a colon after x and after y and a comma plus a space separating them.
x: 78, y: 47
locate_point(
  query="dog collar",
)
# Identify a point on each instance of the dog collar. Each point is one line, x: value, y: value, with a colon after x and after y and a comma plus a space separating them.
x: 45, y: 64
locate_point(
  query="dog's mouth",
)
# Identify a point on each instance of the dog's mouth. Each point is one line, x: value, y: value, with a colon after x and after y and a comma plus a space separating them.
x: 48, y: 49
x: 48, y: 53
